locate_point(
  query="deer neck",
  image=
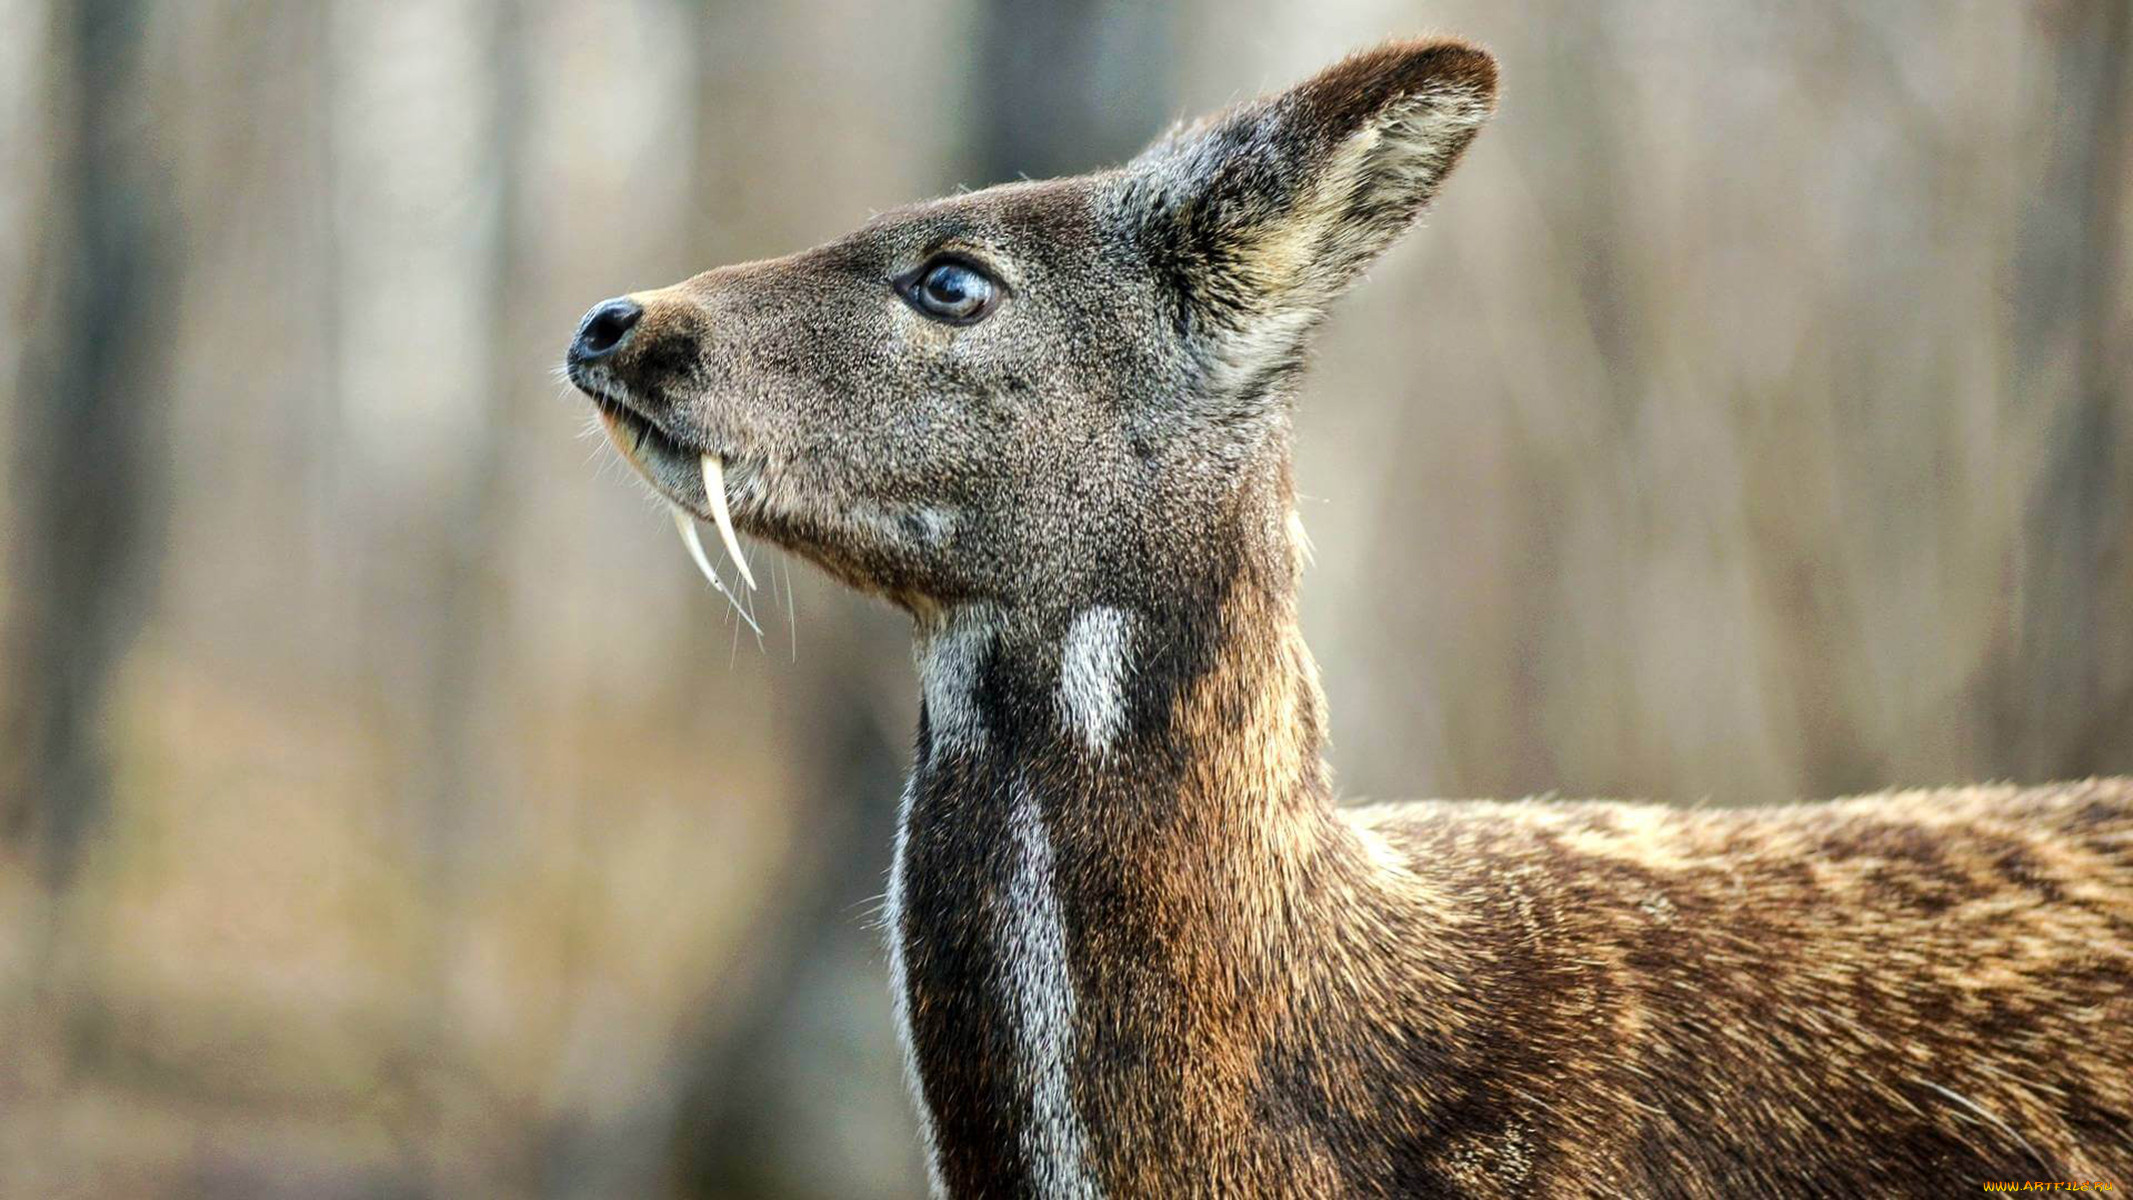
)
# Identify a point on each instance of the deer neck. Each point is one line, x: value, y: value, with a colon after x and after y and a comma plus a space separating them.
x: 1115, y: 814
x: 1131, y: 716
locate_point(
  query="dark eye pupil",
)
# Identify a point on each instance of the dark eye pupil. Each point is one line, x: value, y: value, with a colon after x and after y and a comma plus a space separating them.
x: 951, y: 291
x: 950, y: 286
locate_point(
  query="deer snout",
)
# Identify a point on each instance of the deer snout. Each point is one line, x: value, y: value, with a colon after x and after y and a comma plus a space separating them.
x: 605, y: 329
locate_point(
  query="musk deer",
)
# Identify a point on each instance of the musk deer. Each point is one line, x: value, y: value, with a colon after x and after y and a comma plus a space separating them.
x: 1136, y: 948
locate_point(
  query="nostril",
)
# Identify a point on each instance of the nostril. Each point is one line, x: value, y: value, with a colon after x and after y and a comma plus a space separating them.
x: 606, y: 328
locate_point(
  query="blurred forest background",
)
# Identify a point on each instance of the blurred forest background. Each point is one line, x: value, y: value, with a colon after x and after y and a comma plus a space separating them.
x: 387, y: 808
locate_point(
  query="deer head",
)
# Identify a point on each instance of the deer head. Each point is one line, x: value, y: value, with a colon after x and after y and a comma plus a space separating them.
x: 1041, y: 395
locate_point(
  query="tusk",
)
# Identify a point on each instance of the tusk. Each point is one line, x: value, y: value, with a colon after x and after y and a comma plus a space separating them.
x: 715, y: 492
x: 686, y: 525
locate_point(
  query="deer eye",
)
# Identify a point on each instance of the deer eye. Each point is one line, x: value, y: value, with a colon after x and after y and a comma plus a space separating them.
x: 950, y: 290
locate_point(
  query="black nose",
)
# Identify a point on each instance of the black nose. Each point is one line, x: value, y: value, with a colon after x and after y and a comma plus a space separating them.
x: 605, y: 328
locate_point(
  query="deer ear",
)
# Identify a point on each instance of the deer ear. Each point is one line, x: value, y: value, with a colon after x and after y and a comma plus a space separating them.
x: 1277, y: 204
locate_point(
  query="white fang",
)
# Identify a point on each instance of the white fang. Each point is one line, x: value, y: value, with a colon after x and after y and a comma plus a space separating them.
x: 686, y: 524
x: 715, y: 494
x: 1040, y: 993
x: 1092, y: 674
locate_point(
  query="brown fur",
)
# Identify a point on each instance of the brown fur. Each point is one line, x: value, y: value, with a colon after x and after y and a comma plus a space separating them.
x: 1138, y: 949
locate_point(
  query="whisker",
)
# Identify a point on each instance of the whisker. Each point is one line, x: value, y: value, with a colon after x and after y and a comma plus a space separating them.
x: 871, y: 908
x: 792, y: 623
x: 750, y: 602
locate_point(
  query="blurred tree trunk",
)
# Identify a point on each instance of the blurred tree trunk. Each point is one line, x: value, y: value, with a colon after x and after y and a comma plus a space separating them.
x: 2064, y: 687
x: 89, y: 437
x: 459, y: 779
x: 453, y: 777
x: 753, y: 1118
x: 1064, y: 87
x: 428, y: 280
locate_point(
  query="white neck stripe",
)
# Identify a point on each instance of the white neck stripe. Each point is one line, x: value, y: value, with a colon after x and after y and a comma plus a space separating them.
x: 1094, y: 667
x: 1040, y: 994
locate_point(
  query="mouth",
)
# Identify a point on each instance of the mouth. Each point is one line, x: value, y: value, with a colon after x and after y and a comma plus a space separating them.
x: 677, y: 471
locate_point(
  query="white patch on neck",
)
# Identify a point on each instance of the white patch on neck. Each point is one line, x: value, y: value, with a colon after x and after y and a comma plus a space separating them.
x: 892, y: 924
x: 1093, y: 668
x: 949, y: 657
x: 1040, y: 994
